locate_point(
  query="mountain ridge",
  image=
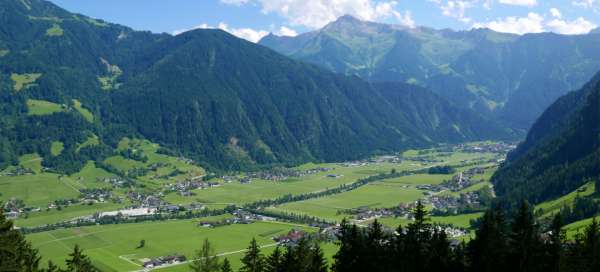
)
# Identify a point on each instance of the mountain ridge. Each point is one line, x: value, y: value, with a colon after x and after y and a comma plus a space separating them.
x: 509, y: 67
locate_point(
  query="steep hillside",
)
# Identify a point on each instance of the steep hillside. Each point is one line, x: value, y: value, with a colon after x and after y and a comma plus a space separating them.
x: 561, y: 152
x: 225, y: 102
x: 508, y: 77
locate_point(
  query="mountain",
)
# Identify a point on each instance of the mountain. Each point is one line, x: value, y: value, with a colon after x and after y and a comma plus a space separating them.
x: 595, y: 30
x: 507, y: 77
x: 561, y: 151
x: 220, y: 100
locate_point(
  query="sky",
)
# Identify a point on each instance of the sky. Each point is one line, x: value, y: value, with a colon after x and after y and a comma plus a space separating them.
x: 253, y: 19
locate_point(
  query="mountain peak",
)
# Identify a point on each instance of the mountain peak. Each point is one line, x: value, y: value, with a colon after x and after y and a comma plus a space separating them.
x: 348, y: 18
x: 595, y: 31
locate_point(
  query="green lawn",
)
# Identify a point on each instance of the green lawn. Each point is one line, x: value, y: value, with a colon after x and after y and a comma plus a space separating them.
x: 23, y: 81
x: 113, y: 247
x: 54, y: 216
x: 36, y: 190
x: 56, y: 148
x: 92, y: 140
x: 551, y: 207
x: 55, y: 30
x: 42, y: 107
x: 374, y: 195
x: 83, y: 111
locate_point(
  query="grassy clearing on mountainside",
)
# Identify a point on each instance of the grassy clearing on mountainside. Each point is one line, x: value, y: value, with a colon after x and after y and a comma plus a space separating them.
x: 92, y: 140
x: 56, y: 148
x: 24, y: 81
x: 83, y: 111
x: 55, y: 31
x: 42, y: 107
x: 115, y: 246
x: 551, y: 207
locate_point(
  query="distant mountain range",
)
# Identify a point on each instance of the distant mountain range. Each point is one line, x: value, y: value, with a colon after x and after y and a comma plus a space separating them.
x: 509, y: 78
x: 561, y: 151
x: 225, y: 102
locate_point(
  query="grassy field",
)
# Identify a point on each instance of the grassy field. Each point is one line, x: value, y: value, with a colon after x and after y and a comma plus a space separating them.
x: 23, y: 81
x: 83, y: 111
x: 92, y: 140
x: 113, y: 247
x: 56, y: 148
x: 374, y: 195
x: 236, y: 193
x: 36, y: 190
x: 42, y: 107
x: 549, y: 208
x: 55, y: 30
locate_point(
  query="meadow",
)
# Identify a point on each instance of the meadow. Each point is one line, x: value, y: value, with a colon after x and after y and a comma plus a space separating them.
x: 115, y: 247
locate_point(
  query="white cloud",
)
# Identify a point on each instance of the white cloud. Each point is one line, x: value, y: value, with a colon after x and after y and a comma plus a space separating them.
x: 577, y: 26
x: 457, y: 9
x: 584, y: 3
x: 235, y: 2
x: 317, y: 13
x: 527, y: 3
x: 555, y: 13
x: 285, y: 31
x: 244, y: 33
x: 405, y: 19
x: 533, y: 23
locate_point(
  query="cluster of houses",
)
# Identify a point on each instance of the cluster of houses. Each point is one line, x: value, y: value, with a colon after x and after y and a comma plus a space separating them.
x: 164, y: 260
x: 366, y: 213
x: 95, y: 195
x: 463, y: 179
x: 185, y: 188
x: 470, y: 199
x: 291, y: 238
x: 17, y: 171
x: 279, y: 174
x: 499, y: 147
x: 239, y: 217
x: 116, y: 182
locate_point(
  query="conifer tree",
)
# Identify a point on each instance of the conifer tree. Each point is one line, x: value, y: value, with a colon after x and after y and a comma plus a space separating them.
x: 205, y: 259
x: 226, y: 266
x: 79, y: 262
x: 253, y: 260
x: 318, y: 262
x: 524, y: 242
x: 555, y: 244
x: 274, y: 262
x: 16, y: 254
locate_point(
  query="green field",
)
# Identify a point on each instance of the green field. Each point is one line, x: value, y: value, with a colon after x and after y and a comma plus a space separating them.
x: 374, y: 195
x: 113, y: 247
x: 83, y: 111
x: 23, y: 81
x: 549, y: 208
x: 55, y: 30
x: 42, y: 107
x: 56, y: 148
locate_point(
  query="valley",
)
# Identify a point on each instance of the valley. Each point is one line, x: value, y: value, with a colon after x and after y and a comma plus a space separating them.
x: 113, y: 246
x: 356, y: 145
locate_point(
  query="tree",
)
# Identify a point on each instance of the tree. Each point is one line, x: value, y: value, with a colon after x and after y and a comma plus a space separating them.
x: 554, y: 246
x: 274, y: 262
x: 253, y: 260
x: 79, y: 262
x: 488, y: 251
x: 142, y: 243
x: 205, y: 259
x: 524, y: 241
x: 226, y: 266
x: 16, y: 254
x: 318, y: 263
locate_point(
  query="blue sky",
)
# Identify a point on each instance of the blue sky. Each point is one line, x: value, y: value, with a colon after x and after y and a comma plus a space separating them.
x: 252, y: 19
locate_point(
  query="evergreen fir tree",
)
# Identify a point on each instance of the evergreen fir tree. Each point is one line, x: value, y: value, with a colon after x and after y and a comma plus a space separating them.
x: 16, y: 254
x: 274, y: 262
x: 226, y: 266
x: 524, y: 241
x: 205, y: 259
x: 253, y: 260
x: 79, y: 262
x: 318, y: 262
x: 555, y: 243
